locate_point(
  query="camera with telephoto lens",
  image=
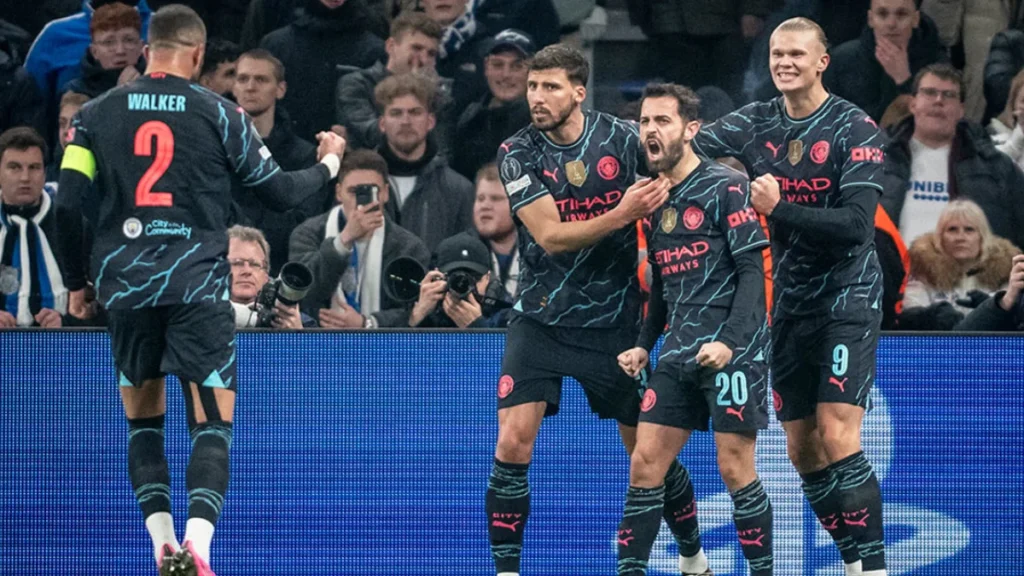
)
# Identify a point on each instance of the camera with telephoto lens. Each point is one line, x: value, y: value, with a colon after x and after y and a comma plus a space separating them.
x: 461, y: 283
x: 290, y: 287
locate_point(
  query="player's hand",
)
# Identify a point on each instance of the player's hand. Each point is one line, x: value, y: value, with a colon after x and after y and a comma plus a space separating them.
x: 894, y: 60
x: 341, y: 315
x: 79, y: 306
x: 48, y: 318
x: 1016, y: 285
x: 714, y: 355
x: 462, y: 312
x: 751, y: 26
x: 127, y: 75
x: 634, y: 360
x: 7, y: 320
x: 764, y: 194
x: 286, y: 317
x: 330, y: 143
x: 367, y: 218
x: 643, y: 198
x: 432, y: 290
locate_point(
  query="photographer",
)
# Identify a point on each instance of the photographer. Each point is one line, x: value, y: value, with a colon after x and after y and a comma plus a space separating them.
x: 1004, y: 311
x: 459, y: 292
x: 249, y: 257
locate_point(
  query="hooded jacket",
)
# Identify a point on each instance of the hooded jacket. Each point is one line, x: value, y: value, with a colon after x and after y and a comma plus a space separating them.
x: 21, y: 103
x: 96, y: 80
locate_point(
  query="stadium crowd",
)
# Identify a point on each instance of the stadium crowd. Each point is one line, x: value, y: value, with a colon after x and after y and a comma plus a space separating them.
x: 425, y: 91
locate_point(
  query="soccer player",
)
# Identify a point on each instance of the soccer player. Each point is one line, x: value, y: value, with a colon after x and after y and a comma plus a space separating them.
x: 817, y: 160
x: 704, y: 247
x: 161, y: 152
x: 571, y: 181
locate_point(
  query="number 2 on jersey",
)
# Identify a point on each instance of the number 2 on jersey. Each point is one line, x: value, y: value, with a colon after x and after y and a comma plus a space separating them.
x: 144, y: 136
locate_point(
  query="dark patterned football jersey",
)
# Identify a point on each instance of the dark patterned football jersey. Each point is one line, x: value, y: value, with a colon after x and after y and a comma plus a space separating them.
x: 596, y: 287
x: 818, y: 161
x: 692, y: 241
x: 161, y: 153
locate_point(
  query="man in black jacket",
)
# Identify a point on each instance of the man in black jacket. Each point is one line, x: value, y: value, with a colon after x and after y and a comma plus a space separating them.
x: 412, y: 47
x: 874, y: 69
x: 259, y: 84
x: 326, y: 35
x: 428, y: 198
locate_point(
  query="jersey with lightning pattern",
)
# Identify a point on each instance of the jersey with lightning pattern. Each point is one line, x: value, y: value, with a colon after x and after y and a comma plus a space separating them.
x: 163, y: 185
x: 692, y: 240
x: 596, y: 287
x: 815, y: 160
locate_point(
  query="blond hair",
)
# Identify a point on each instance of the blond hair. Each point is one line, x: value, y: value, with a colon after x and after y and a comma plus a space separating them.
x: 970, y: 214
x: 801, y: 24
x: 1007, y: 117
x: 254, y: 235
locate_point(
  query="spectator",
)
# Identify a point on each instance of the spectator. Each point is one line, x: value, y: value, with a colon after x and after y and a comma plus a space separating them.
x: 441, y: 305
x: 249, y: 257
x: 493, y: 224
x: 939, y: 156
x: 1004, y: 311
x: 259, y: 85
x: 429, y: 199
x: 329, y: 33
x: 874, y: 69
x: 349, y: 247
x: 1005, y: 129
x: 32, y: 16
x: 412, y: 47
x: 115, y: 54
x: 56, y: 55
x: 70, y: 104
x: 265, y: 16
x: 973, y: 24
x: 21, y: 103
x: 28, y: 228
x: 954, y: 269
x: 219, y: 67
x: 1005, y: 60
x: 502, y: 112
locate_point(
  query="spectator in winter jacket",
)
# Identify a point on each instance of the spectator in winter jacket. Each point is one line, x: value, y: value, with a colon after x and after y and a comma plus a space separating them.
x: 219, y: 62
x: 1004, y: 311
x: 259, y: 86
x: 325, y: 36
x: 1005, y: 60
x: 954, y: 269
x: 21, y: 103
x: 939, y: 157
x: 265, y: 16
x: 485, y: 124
x: 1005, y: 129
x: 115, y: 53
x: 428, y: 198
x: 412, y: 47
x: 874, y: 69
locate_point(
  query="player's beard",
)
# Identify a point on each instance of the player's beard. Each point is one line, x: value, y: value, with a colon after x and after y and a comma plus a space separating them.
x: 671, y: 155
x: 556, y: 122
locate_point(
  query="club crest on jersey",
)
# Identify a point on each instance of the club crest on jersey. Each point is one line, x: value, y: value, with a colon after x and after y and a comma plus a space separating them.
x: 669, y: 218
x: 132, y: 228
x: 693, y: 218
x: 796, y: 152
x: 819, y: 152
x: 608, y: 168
x: 576, y: 172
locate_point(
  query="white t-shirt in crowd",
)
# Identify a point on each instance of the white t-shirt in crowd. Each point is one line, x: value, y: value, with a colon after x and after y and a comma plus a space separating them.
x: 404, y: 186
x: 929, y: 190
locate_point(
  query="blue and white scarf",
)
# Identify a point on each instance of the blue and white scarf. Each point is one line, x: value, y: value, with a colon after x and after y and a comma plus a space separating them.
x: 30, y: 253
x: 461, y: 31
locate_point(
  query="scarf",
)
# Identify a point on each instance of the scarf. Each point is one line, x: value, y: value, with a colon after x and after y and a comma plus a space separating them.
x: 461, y: 31
x: 360, y: 283
x: 25, y: 247
x: 510, y: 280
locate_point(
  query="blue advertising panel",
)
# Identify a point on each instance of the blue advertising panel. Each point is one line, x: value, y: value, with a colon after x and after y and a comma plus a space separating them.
x: 368, y: 454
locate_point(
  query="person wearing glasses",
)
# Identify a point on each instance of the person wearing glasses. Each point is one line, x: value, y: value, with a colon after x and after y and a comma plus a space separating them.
x: 249, y: 257
x: 941, y: 156
x: 114, y: 57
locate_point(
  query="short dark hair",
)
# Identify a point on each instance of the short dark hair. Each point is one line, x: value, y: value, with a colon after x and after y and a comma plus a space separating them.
x: 687, y: 101
x: 942, y: 71
x: 21, y: 138
x: 219, y: 51
x: 396, y: 86
x: 410, y: 21
x: 562, y: 57
x: 364, y: 159
x: 266, y: 56
x: 176, y: 26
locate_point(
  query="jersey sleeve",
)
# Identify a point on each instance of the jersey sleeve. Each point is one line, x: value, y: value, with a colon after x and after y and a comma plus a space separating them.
x: 247, y: 155
x: 727, y: 136
x: 738, y: 220
x: 862, y: 153
x: 77, y: 172
x: 520, y: 174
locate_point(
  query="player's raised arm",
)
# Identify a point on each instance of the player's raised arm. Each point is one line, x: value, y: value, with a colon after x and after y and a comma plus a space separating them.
x: 255, y: 165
